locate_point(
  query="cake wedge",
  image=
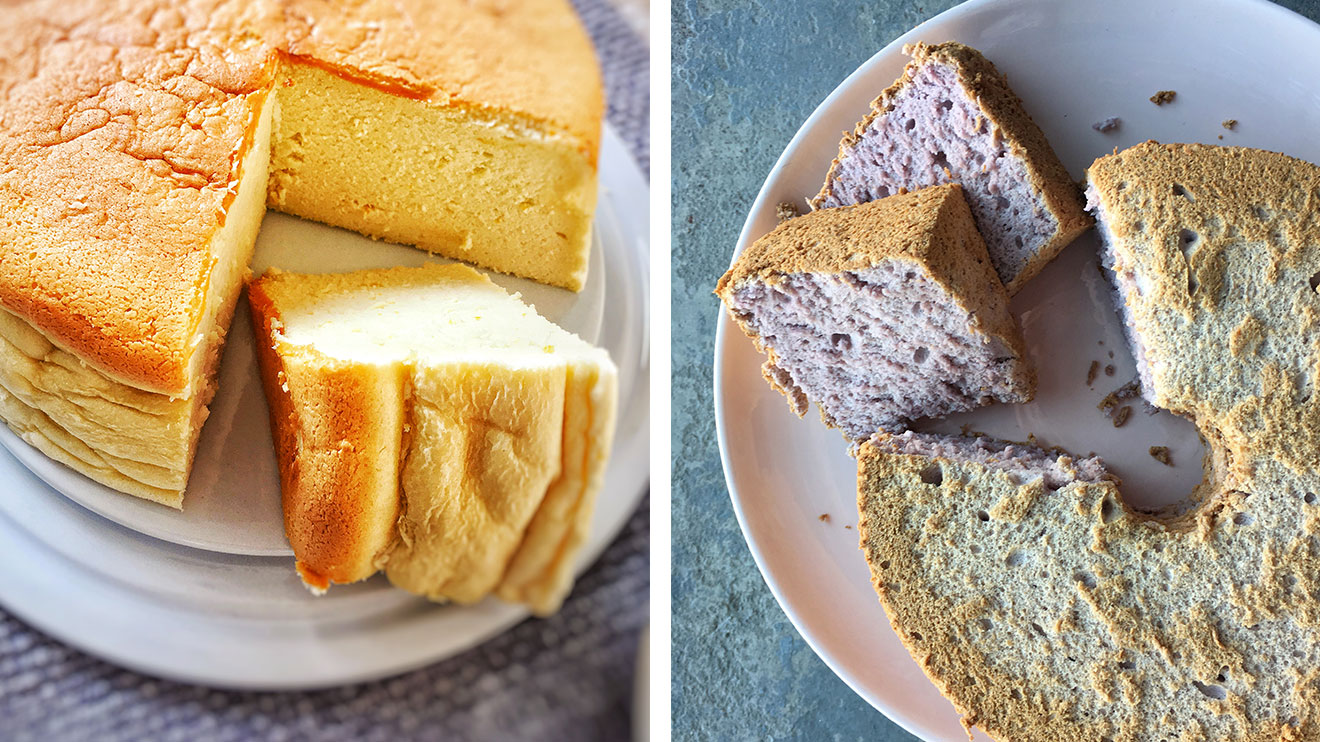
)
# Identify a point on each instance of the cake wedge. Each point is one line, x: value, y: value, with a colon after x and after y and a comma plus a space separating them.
x: 951, y: 118
x: 430, y: 425
x: 880, y: 313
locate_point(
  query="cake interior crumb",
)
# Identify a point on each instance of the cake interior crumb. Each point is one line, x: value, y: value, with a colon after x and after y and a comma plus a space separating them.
x: 1107, y: 125
x: 1161, y: 454
x: 1229, y: 124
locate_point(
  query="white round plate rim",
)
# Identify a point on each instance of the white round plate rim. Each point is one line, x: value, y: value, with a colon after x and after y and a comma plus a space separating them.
x: 803, y: 614
x: 93, y: 583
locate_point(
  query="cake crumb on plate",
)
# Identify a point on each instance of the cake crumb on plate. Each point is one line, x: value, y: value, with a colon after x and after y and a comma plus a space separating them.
x: 1107, y: 125
x: 1161, y: 454
x: 1164, y: 96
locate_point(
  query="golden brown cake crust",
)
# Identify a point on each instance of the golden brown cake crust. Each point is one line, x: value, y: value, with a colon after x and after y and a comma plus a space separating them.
x: 456, y: 476
x: 119, y: 152
x: 329, y: 439
x: 123, y: 126
x: 1001, y: 106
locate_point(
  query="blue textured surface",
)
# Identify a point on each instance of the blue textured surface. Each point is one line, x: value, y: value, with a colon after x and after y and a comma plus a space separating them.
x: 746, y: 75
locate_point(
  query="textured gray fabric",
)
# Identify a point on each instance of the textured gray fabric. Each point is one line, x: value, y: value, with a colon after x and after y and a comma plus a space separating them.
x: 569, y: 677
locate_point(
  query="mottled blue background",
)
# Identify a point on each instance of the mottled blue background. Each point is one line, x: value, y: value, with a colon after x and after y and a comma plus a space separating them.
x: 746, y: 75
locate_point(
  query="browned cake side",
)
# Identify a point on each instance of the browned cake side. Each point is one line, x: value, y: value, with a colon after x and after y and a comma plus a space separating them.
x: 339, y: 438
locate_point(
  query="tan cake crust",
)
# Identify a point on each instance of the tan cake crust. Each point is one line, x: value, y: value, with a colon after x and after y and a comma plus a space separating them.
x: 467, y: 506
x: 338, y: 439
x: 1078, y: 618
x: 540, y: 573
x: 1003, y: 109
x: 124, y: 125
x: 932, y: 228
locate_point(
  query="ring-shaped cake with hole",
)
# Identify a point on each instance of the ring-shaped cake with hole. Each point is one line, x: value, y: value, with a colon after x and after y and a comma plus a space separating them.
x: 1045, y: 607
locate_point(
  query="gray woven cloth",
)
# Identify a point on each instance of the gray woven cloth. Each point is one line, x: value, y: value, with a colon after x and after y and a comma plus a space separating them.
x: 569, y: 677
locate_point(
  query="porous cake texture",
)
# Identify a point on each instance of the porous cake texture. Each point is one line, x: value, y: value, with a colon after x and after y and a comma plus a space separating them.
x: 1021, y: 461
x: 951, y: 118
x: 880, y: 313
x: 1042, y: 605
x: 140, y: 143
x: 429, y: 425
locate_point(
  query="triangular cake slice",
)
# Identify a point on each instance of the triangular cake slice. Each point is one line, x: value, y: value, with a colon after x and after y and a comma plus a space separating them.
x: 1044, y: 606
x: 139, y: 147
x: 430, y: 425
x: 951, y: 117
x: 880, y: 313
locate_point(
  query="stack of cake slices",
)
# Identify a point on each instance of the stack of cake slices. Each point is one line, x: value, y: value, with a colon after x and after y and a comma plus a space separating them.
x: 431, y: 425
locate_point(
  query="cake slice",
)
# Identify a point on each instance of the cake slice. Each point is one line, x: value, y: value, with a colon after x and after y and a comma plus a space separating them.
x: 951, y: 117
x: 430, y: 425
x: 880, y: 313
x: 1023, y: 462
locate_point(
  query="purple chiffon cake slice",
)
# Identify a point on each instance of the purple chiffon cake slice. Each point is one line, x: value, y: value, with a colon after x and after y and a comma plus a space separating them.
x: 951, y: 118
x: 880, y: 313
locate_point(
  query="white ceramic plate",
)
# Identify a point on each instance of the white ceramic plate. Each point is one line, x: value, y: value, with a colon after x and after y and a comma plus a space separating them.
x: 209, y: 595
x: 1073, y: 64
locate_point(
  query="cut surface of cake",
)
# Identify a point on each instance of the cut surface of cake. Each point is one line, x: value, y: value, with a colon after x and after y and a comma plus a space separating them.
x: 951, y: 117
x: 140, y: 144
x: 470, y: 129
x: 880, y: 313
x: 430, y: 425
x: 1044, y: 606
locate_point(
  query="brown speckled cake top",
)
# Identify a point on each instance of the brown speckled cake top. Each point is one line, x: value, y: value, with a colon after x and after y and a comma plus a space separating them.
x: 1053, y: 610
